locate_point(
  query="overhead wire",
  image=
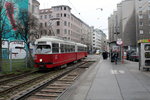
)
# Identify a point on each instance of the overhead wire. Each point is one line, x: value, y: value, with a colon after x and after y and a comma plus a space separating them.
x: 75, y: 9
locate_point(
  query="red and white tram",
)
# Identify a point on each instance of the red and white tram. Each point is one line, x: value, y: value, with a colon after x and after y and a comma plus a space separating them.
x: 52, y: 52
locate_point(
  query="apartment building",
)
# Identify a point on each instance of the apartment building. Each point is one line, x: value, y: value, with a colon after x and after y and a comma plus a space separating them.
x: 142, y: 19
x: 59, y: 21
x: 133, y: 22
x: 98, y: 40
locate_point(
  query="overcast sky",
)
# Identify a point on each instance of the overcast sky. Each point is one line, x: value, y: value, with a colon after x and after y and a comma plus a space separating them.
x: 87, y: 10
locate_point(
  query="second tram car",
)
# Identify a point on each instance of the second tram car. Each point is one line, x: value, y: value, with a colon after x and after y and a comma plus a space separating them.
x: 144, y: 54
x: 52, y: 52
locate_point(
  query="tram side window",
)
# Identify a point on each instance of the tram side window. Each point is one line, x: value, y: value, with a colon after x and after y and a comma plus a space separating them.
x: 62, y: 48
x: 147, y: 47
x: 72, y: 48
x: 80, y: 49
x: 55, y: 47
x: 66, y: 48
x: 84, y: 49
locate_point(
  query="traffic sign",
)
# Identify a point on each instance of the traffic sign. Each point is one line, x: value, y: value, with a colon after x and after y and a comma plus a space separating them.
x: 119, y: 42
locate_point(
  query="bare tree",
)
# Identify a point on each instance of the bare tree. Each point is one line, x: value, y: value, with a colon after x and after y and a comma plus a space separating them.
x: 27, y: 28
x: 3, y: 29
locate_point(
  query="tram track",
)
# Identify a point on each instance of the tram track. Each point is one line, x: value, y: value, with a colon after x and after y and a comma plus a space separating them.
x: 7, y: 86
x: 11, y: 77
x: 53, y: 87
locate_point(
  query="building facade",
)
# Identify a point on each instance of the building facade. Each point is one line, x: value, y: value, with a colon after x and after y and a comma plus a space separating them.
x: 99, y: 41
x: 130, y: 23
x: 142, y: 19
x: 59, y: 21
x: 34, y: 17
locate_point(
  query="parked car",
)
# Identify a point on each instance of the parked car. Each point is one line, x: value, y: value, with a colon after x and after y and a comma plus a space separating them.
x: 134, y: 56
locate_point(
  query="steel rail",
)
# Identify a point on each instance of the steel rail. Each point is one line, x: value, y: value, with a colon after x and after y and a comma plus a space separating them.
x: 16, y: 77
x: 43, y: 84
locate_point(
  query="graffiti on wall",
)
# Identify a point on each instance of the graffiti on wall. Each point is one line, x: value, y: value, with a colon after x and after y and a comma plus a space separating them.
x: 17, y: 49
x: 12, y: 9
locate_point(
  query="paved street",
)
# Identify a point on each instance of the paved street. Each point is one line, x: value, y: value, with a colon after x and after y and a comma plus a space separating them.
x: 108, y: 81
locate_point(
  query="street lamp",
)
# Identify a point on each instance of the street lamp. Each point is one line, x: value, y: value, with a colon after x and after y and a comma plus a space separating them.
x: 99, y: 9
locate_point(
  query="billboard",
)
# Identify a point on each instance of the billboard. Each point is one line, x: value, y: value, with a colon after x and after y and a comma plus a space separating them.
x: 11, y: 9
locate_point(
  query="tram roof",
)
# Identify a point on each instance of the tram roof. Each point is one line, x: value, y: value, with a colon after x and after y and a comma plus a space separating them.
x: 144, y: 41
x: 79, y: 44
x: 57, y: 39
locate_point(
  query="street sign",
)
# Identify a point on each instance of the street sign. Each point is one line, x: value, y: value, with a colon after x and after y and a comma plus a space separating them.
x: 119, y: 42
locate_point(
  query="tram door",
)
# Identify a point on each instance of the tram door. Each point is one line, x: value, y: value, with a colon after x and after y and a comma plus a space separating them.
x: 144, y: 56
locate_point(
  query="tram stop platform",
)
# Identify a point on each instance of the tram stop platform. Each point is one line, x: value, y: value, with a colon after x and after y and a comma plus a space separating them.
x: 105, y: 80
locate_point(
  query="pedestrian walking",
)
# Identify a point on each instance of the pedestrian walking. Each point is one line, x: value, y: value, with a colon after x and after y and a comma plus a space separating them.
x: 115, y: 57
x: 105, y: 55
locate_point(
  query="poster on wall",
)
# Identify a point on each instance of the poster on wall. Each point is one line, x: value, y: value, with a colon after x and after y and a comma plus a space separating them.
x: 11, y: 9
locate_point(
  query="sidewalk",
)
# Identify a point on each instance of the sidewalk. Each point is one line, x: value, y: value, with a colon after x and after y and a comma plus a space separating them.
x: 108, y: 81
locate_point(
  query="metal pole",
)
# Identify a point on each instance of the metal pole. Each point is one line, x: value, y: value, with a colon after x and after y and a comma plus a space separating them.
x: 26, y: 59
x: 122, y: 54
x: 10, y: 59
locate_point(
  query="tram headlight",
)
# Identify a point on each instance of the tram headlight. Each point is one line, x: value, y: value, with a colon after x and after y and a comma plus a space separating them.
x: 41, y: 60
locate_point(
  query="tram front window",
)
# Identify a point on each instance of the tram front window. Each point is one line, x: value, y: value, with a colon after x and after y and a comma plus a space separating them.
x: 43, y: 49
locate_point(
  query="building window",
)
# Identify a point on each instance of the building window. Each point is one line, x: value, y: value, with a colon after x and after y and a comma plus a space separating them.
x: 41, y: 17
x: 49, y: 32
x: 41, y: 24
x: 141, y: 32
x: 57, y: 15
x: 68, y: 31
x: 68, y: 24
x: 69, y: 38
x: 58, y: 23
x: 45, y: 24
x: 72, y: 18
x: 140, y: 16
x: 65, y: 23
x: 45, y: 32
x: 149, y: 8
x: 64, y: 8
x: 65, y: 31
x: 50, y: 16
x: 149, y: 16
x: 68, y: 16
x: 149, y: 22
x: 45, y: 16
x: 141, y: 23
x: 65, y: 15
x: 58, y: 31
